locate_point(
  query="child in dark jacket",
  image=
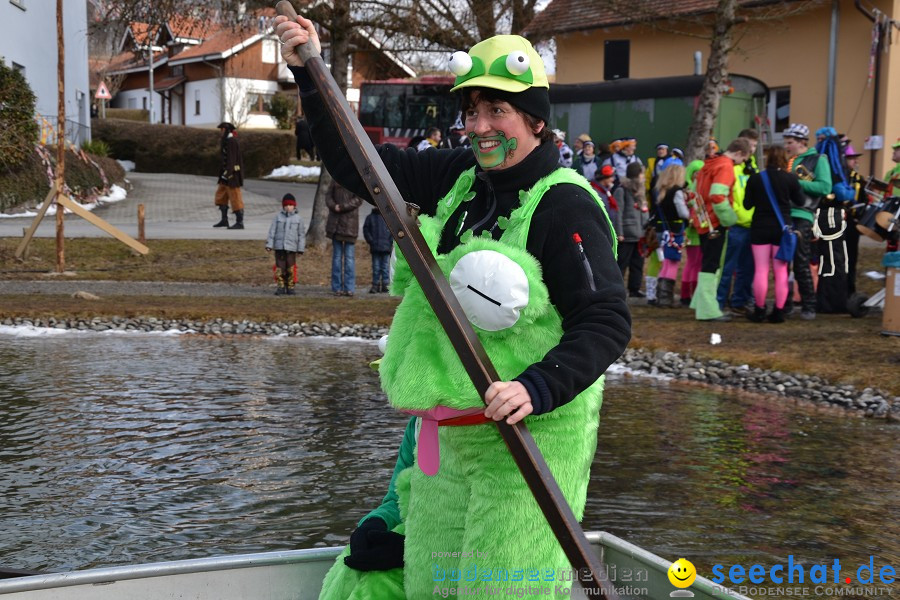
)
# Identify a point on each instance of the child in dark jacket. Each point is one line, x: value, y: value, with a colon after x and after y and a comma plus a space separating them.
x: 378, y: 236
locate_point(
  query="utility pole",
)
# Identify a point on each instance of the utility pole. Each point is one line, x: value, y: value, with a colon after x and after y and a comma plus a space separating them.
x: 150, y: 50
x: 60, y: 138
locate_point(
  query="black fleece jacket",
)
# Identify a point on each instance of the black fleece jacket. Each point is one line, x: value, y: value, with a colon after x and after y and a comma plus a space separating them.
x: 595, y: 318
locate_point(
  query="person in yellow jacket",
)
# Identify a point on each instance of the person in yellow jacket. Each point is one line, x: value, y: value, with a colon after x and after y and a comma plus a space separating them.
x: 738, y: 266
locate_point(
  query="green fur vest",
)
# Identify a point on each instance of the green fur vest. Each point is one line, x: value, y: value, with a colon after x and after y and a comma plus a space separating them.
x: 500, y: 288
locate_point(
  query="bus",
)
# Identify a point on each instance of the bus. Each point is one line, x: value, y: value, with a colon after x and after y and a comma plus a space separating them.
x: 396, y: 111
x: 652, y: 110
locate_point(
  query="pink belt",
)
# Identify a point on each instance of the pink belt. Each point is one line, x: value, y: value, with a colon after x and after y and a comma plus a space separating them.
x: 428, y: 451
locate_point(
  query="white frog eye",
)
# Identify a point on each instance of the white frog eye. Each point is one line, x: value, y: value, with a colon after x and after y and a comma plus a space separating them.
x: 460, y: 63
x: 517, y: 62
x: 491, y: 288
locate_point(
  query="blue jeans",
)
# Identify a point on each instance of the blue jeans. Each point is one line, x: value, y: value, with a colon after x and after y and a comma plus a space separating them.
x: 343, y: 267
x: 380, y: 268
x: 738, y: 263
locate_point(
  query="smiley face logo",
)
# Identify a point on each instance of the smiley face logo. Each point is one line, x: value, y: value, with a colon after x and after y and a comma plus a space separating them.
x: 682, y: 573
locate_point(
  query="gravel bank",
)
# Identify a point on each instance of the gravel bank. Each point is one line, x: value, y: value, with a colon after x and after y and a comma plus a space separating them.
x: 868, y: 402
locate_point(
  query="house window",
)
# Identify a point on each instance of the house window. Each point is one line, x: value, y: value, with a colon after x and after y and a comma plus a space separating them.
x: 616, y: 57
x: 132, y: 103
x: 144, y: 103
x: 178, y: 71
x: 269, y: 51
x: 779, y: 111
x: 258, y: 101
x: 196, y: 102
x: 19, y: 3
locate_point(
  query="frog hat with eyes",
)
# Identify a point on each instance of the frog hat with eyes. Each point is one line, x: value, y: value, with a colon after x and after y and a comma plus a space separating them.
x: 510, y: 67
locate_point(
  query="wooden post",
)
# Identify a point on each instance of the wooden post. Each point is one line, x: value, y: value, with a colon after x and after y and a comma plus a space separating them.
x: 77, y: 209
x: 26, y: 252
x: 141, y: 237
x: 22, y: 250
x: 60, y: 138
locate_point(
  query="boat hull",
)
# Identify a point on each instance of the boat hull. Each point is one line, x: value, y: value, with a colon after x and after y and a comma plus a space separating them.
x: 298, y: 575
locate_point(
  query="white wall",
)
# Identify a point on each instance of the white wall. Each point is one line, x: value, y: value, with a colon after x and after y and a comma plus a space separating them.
x: 140, y: 99
x: 237, y: 109
x: 207, y: 90
x: 28, y: 38
x: 234, y: 91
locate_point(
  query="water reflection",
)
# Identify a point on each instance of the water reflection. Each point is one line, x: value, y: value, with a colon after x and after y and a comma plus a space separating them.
x: 128, y: 449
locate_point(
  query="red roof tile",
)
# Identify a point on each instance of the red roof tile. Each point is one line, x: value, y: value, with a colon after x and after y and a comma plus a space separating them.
x: 564, y: 16
x: 220, y: 42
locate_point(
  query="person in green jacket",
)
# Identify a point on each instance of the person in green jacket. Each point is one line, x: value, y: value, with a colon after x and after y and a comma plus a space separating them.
x: 814, y: 173
x: 738, y: 264
x: 892, y: 177
x: 530, y: 253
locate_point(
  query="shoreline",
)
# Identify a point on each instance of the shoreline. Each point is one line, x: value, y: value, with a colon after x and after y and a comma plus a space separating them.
x: 817, y: 391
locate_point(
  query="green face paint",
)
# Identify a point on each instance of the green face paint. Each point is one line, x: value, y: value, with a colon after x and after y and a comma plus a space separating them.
x: 498, y: 149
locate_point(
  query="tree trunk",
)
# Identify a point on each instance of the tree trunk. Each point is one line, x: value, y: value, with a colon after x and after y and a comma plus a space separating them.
x: 315, y: 234
x: 711, y: 92
x: 522, y: 14
x: 340, y: 29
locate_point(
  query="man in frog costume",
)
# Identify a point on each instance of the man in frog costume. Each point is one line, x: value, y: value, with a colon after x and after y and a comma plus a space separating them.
x: 530, y: 254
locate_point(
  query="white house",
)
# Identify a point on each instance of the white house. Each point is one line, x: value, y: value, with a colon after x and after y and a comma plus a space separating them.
x: 204, y: 72
x: 28, y: 43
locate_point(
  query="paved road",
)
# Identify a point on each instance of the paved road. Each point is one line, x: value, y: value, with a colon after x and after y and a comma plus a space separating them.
x: 180, y: 207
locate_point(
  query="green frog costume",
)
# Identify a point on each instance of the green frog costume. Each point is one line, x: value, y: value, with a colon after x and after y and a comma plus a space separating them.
x: 468, y: 517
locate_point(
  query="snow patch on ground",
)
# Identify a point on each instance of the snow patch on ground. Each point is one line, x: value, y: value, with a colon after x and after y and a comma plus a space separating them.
x: 294, y: 171
x: 116, y: 194
x: 30, y: 331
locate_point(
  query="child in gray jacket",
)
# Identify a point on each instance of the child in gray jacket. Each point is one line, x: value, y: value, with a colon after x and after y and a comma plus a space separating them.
x: 287, y: 237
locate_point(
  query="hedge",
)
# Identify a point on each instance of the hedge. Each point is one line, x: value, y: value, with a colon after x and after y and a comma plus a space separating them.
x: 190, y: 150
x: 29, y: 183
x: 129, y: 114
x: 17, y: 124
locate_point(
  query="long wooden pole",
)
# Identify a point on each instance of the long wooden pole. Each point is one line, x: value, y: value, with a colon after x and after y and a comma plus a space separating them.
x: 402, y: 224
x: 60, y: 138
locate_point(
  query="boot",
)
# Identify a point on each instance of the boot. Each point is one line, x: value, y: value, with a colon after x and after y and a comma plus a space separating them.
x: 650, y: 283
x: 376, y: 287
x: 279, y: 280
x: 758, y: 315
x: 665, y: 293
x: 687, y: 292
x: 223, y: 222
x: 384, y: 288
x: 704, y: 302
x: 777, y: 315
x: 239, y: 224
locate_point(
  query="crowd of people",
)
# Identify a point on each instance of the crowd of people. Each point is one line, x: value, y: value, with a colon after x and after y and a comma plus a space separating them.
x: 728, y: 221
x: 725, y: 222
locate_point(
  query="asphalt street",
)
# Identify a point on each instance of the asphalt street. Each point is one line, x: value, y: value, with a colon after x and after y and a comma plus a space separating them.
x: 180, y: 207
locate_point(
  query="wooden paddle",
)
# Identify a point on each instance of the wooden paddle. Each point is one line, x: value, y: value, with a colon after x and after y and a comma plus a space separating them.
x: 402, y: 223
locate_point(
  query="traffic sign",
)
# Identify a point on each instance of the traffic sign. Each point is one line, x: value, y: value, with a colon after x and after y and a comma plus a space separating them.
x: 102, y: 92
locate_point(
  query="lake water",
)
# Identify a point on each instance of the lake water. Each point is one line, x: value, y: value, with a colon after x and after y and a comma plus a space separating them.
x: 119, y: 449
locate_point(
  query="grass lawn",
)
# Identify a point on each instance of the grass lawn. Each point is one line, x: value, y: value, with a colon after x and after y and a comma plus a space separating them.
x: 837, y: 347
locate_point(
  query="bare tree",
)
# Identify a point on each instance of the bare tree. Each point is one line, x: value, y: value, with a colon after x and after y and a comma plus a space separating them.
x: 337, y: 19
x: 439, y: 26
x: 724, y: 28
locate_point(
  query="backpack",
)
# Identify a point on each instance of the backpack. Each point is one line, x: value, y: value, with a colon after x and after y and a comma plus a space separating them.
x: 840, y: 186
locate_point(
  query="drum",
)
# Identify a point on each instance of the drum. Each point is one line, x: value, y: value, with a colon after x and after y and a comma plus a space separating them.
x: 889, y: 215
x: 868, y: 222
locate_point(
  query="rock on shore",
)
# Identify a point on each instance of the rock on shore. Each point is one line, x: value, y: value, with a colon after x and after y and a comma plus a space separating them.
x: 869, y: 402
